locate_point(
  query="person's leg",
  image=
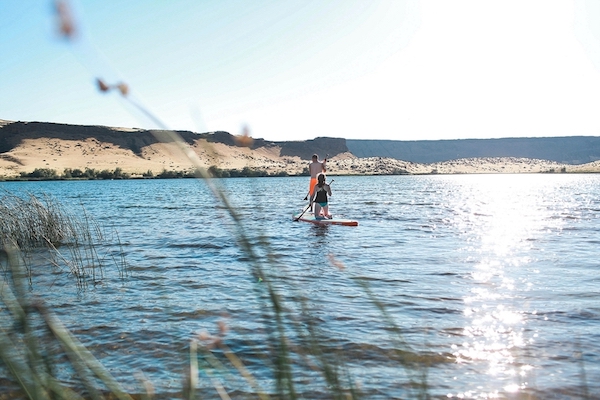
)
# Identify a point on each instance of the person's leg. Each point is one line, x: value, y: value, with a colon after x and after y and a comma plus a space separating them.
x: 311, y: 190
x: 326, y: 212
x: 317, y: 210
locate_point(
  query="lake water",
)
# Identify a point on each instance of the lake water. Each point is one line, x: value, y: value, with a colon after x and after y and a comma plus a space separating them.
x: 492, y: 280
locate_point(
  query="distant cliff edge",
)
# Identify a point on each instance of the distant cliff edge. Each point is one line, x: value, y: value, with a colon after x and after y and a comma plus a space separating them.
x: 574, y: 150
x: 13, y: 133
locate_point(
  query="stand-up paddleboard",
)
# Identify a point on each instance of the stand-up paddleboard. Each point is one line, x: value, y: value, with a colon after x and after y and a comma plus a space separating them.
x: 309, y: 217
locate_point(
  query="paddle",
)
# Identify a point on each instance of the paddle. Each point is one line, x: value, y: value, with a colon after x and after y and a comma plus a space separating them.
x: 300, y: 216
x: 306, y: 197
x: 309, y: 204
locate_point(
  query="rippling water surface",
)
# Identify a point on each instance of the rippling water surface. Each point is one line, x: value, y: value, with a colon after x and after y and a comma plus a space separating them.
x: 492, y: 279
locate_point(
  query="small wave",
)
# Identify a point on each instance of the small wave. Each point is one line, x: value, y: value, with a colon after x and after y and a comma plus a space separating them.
x: 444, y: 274
x: 199, y: 246
x: 438, y: 310
x: 454, y: 331
x: 381, y: 279
x: 382, y: 354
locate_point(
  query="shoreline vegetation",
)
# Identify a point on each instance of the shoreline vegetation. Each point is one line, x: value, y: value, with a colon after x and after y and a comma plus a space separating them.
x: 370, y: 167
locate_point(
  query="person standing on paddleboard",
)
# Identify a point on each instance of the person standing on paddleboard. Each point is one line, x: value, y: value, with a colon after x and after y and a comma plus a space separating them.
x: 315, y: 168
x: 319, y: 197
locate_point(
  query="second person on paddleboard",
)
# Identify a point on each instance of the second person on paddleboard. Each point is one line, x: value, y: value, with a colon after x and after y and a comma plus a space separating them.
x: 315, y: 168
x: 319, y: 198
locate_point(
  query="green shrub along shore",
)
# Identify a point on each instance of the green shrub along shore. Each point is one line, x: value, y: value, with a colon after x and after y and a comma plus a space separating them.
x: 47, y: 174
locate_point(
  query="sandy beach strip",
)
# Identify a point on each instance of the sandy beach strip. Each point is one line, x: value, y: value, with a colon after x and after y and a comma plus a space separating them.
x: 58, y: 154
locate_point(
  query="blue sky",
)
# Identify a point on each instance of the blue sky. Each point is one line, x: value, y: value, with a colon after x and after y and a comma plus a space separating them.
x: 296, y: 70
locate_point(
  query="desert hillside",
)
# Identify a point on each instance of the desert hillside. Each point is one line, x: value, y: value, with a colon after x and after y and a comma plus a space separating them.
x: 25, y: 147
x: 574, y: 150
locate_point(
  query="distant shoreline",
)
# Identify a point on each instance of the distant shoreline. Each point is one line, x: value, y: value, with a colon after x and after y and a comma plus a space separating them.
x: 49, y: 151
x: 52, y: 175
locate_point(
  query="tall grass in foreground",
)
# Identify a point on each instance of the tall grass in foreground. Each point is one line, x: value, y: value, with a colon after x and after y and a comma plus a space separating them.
x: 36, y: 348
x: 44, y: 231
x: 37, y: 232
x: 33, y: 341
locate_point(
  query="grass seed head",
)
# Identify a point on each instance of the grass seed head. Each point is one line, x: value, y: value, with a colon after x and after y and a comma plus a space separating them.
x: 244, y: 140
x: 103, y: 87
x: 66, y: 23
x: 123, y: 88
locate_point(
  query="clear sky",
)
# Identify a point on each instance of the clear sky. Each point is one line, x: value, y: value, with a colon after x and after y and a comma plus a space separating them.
x: 299, y: 69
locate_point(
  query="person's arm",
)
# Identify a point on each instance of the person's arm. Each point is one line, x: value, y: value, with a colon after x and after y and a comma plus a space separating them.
x: 329, y: 190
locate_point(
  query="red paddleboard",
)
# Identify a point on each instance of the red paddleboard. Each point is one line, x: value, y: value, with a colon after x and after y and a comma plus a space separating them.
x: 309, y: 217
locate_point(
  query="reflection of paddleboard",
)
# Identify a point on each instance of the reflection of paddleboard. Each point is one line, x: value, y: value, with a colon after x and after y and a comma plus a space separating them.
x: 309, y: 217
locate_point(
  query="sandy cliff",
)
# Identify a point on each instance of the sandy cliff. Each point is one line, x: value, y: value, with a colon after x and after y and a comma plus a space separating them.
x: 25, y: 147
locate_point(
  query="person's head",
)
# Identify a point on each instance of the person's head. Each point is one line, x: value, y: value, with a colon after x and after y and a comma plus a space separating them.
x: 315, y: 157
x: 321, y: 179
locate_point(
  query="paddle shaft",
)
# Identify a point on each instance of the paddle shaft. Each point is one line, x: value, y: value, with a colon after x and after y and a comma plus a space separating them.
x: 300, y: 216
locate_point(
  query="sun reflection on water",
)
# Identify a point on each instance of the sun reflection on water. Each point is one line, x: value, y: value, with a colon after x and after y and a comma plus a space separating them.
x: 500, y: 217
